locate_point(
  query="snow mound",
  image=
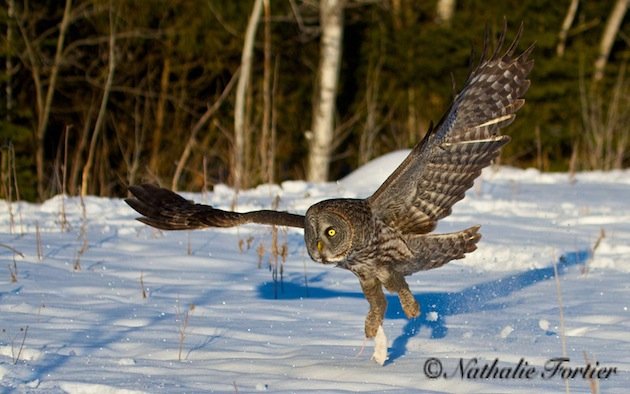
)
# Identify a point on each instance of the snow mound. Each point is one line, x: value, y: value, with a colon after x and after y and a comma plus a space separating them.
x: 371, y: 175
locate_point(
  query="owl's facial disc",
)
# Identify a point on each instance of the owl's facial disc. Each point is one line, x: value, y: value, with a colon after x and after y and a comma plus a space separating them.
x: 328, y: 237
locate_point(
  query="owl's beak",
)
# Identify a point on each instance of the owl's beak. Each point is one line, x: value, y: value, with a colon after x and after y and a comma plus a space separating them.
x: 320, y: 254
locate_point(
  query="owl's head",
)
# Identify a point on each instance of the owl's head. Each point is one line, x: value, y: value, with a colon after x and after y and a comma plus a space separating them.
x: 329, y: 230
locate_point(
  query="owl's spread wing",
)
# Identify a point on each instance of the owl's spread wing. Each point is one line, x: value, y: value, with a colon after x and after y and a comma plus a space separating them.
x: 440, y: 169
x: 163, y: 209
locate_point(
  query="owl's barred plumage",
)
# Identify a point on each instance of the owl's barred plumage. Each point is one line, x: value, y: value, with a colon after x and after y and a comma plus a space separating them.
x: 387, y: 236
x: 440, y: 169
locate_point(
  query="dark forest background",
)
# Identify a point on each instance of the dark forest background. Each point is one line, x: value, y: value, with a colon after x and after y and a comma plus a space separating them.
x: 170, y: 88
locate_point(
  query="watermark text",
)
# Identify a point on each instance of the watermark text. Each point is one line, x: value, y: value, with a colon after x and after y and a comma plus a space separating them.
x: 478, y: 369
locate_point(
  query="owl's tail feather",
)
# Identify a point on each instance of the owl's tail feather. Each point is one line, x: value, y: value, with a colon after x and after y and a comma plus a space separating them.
x: 435, y: 250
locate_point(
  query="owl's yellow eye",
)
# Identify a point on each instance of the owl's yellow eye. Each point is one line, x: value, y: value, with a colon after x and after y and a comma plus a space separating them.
x: 331, y: 232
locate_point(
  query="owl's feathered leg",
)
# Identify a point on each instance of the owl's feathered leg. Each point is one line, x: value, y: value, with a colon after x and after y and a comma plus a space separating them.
x: 396, y: 283
x: 373, y: 291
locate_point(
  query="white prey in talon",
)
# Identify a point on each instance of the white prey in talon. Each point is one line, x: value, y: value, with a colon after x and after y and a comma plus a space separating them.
x: 380, y: 346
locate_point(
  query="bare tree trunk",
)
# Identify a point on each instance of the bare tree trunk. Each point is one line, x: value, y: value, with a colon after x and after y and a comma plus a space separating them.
x: 265, y: 139
x: 39, y: 105
x: 396, y: 13
x: 445, y: 10
x: 103, y: 108
x: 241, y: 90
x: 370, y: 127
x: 159, y: 115
x: 73, y: 185
x: 9, y: 61
x: 101, y: 169
x: 44, y: 106
x: 181, y: 163
x: 272, y: 143
x: 130, y: 148
x: 566, y: 25
x: 321, y: 139
x: 138, y: 141
x: 608, y: 38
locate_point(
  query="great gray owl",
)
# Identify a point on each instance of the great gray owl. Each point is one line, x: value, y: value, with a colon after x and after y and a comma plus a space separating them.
x: 387, y: 236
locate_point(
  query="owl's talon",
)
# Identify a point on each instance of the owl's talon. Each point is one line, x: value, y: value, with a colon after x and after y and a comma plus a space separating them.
x: 412, y: 311
x: 409, y: 304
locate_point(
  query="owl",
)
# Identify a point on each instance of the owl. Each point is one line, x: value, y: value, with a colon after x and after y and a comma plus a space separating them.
x: 387, y: 236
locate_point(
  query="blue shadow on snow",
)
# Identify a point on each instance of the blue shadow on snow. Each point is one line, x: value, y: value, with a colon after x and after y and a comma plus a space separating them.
x: 476, y: 298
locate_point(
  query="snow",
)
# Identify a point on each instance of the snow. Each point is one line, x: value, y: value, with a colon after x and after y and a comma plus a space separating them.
x: 91, y: 330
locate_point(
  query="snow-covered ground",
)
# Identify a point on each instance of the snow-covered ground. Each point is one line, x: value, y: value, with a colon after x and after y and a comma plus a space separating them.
x: 235, y: 329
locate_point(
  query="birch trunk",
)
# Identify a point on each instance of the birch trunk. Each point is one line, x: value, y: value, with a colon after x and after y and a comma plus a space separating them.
x: 321, y: 139
x: 241, y: 90
x: 608, y: 38
x: 445, y: 10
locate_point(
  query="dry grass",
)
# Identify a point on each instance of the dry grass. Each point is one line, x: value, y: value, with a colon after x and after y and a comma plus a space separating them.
x: 260, y: 251
x: 602, y: 235
x: 563, y: 337
x: 9, y: 185
x: 605, y: 120
x: 13, y: 270
x: 145, y: 294
x: 82, y: 236
x: 16, y: 353
x: 38, y: 242
x: 592, y: 382
x: 184, y: 320
x: 245, y: 244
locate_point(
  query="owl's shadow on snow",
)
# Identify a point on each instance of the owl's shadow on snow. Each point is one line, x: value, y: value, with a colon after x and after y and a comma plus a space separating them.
x: 436, y: 307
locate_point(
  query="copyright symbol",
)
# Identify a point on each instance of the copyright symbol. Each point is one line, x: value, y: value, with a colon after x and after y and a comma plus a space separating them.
x: 433, y: 368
